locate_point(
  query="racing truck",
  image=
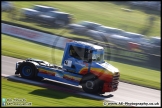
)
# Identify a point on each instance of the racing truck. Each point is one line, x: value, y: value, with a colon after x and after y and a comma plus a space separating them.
x: 82, y: 64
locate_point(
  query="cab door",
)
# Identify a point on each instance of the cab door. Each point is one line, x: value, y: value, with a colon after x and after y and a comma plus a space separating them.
x: 78, y: 62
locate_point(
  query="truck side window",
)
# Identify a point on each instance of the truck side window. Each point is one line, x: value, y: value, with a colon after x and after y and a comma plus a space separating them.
x: 77, y: 52
x: 80, y: 53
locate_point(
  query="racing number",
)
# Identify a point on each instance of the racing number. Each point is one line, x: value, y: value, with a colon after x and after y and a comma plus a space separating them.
x: 67, y: 63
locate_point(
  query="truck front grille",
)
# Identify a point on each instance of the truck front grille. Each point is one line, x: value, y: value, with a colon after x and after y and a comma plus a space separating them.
x: 116, y: 76
x: 115, y: 79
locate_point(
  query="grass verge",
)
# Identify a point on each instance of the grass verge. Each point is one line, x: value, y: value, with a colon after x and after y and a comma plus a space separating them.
x: 40, y: 96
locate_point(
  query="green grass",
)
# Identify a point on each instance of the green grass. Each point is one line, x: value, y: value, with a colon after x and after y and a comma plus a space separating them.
x: 106, y: 13
x: 40, y: 96
x: 19, y: 48
x: 23, y: 49
x: 138, y: 75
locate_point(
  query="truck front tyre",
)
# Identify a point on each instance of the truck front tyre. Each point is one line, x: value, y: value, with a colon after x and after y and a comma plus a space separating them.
x: 27, y: 70
x: 91, y: 86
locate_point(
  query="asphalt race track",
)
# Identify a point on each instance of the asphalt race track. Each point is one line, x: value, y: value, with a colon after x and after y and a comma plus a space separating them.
x: 125, y: 93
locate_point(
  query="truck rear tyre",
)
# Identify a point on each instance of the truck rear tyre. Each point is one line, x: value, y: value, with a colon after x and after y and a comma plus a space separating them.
x: 27, y: 70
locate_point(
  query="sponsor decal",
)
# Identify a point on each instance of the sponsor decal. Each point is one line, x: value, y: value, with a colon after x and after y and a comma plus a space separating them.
x: 72, y: 78
x: 47, y: 72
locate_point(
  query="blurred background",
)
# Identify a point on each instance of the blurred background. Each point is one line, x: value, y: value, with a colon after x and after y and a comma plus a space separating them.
x: 129, y: 31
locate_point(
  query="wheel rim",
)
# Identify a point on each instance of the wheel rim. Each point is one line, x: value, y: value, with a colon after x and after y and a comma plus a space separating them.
x: 27, y: 70
x: 89, y: 84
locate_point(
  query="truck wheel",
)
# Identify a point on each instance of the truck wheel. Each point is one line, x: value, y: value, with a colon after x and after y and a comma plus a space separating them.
x: 27, y: 70
x: 91, y: 86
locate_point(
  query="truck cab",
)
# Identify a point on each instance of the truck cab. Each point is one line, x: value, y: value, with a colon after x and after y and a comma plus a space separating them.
x: 82, y: 64
x: 56, y: 18
x: 37, y: 10
x: 79, y: 55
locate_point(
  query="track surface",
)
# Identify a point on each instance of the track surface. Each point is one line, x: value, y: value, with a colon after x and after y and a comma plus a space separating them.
x: 125, y: 93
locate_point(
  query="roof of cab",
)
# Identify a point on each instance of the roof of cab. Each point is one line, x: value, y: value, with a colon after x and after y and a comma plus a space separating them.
x: 59, y: 12
x: 43, y: 6
x: 91, y: 22
x: 86, y: 44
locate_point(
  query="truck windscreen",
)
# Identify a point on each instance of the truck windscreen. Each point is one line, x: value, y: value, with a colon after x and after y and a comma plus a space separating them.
x: 98, y: 56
